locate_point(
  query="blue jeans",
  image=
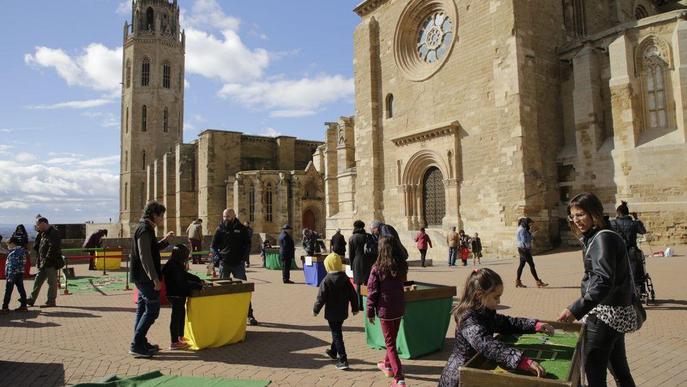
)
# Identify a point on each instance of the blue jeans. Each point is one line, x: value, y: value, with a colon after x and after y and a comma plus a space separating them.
x: 239, y: 272
x: 146, y: 312
x: 452, y: 252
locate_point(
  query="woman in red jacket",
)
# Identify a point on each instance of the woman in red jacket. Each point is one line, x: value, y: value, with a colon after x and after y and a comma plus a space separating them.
x: 422, y: 240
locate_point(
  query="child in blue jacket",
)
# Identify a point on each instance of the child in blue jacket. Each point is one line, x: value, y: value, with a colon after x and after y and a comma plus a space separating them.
x: 14, y: 274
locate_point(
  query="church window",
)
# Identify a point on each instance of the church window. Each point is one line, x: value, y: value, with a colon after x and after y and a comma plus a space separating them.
x: 434, y: 37
x: 150, y: 19
x: 144, y: 160
x: 251, y: 203
x: 165, y: 120
x: 145, y: 72
x: 579, y: 17
x: 144, y: 118
x: 126, y: 195
x: 126, y: 159
x: 166, y: 74
x: 268, y: 203
x: 389, y: 106
x: 655, y: 95
x: 126, y: 121
x: 128, y: 73
x: 641, y: 12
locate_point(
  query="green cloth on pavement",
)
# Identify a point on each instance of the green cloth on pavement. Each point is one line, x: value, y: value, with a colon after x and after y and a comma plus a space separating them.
x: 156, y: 378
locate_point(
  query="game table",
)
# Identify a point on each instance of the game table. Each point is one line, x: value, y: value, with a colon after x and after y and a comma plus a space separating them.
x: 273, y: 260
x: 423, y: 328
x: 108, y: 260
x: 216, y: 315
x: 313, y: 269
x: 560, y: 355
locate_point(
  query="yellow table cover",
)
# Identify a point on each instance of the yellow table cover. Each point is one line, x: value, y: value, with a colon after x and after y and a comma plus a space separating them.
x: 215, y: 321
x: 111, y: 259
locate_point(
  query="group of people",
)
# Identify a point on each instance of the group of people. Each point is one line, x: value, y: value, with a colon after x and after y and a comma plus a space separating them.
x: 48, y: 249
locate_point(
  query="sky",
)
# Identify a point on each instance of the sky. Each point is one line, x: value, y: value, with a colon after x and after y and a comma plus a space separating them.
x: 266, y: 67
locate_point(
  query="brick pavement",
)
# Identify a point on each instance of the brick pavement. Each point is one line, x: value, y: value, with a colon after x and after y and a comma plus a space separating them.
x: 87, y: 336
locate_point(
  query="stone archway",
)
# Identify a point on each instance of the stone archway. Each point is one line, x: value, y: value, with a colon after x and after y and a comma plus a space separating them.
x: 428, y: 188
x: 309, y: 220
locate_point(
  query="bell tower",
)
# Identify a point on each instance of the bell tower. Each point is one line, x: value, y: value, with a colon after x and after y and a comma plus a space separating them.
x: 152, y: 110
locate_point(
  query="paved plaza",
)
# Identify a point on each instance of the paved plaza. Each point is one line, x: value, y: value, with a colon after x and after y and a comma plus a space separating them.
x: 86, y: 338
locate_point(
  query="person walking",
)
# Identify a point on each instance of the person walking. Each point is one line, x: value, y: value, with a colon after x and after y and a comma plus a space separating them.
x: 14, y: 275
x: 452, y: 242
x: 338, y: 243
x: 423, y: 241
x: 287, y: 252
x: 524, y: 239
x: 246, y: 253
x: 464, y: 246
x: 607, y: 293
x: 230, y: 242
x: 194, y: 233
x: 49, y: 261
x: 361, y: 260
x: 145, y: 271
x: 476, y: 250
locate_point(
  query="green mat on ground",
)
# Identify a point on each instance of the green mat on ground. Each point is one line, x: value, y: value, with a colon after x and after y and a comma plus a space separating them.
x: 106, y: 283
x: 156, y: 378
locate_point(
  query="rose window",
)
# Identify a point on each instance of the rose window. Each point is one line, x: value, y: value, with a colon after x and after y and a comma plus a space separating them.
x: 434, y: 37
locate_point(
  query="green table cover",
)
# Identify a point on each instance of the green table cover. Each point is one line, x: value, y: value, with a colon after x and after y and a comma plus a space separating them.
x: 554, y: 353
x: 423, y: 328
x: 273, y: 262
x: 154, y: 379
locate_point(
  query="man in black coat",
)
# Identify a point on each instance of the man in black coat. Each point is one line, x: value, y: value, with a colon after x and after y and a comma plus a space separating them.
x: 287, y: 252
x: 361, y: 263
x: 48, y: 247
x: 230, y: 242
x: 338, y: 243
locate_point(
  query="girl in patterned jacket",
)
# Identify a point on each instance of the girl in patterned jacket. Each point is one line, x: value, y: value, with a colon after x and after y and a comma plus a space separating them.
x: 476, y: 324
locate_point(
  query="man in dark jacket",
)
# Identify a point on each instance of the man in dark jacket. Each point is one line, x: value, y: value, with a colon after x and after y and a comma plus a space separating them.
x: 338, y: 243
x: 335, y: 294
x: 94, y: 241
x: 230, y: 242
x: 361, y: 262
x: 145, y: 270
x: 287, y: 252
x: 49, y: 253
x: 629, y: 227
x: 380, y: 229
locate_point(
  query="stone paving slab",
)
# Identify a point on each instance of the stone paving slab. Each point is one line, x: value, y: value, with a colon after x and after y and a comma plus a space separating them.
x: 86, y: 338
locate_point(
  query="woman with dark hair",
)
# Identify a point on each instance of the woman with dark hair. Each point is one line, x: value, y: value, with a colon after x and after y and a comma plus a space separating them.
x: 524, y: 237
x: 145, y: 274
x: 606, y: 301
x: 423, y: 241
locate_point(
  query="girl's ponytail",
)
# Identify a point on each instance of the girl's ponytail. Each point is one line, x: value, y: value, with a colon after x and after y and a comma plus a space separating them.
x: 478, y: 283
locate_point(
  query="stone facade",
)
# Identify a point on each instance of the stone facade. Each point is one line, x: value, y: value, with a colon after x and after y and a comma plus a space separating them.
x: 269, y: 181
x: 476, y: 113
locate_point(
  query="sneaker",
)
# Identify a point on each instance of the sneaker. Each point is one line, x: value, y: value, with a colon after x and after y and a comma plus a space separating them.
x: 30, y: 301
x: 49, y: 305
x: 152, y: 347
x: 178, y: 345
x: 22, y: 308
x: 398, y: 383
x: 387, y: 371
x: 141, y: 353
x: 252, y: 321
x: 342, y: 365
x: 331, y: 353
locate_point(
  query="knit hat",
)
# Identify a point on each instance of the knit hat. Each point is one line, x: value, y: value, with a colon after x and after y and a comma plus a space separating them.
x: 333, y: 263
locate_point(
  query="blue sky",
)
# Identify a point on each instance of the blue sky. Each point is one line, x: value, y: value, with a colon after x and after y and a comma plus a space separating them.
x: 285, y: 68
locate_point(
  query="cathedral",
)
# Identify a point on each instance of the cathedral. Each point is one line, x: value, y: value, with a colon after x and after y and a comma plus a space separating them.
x: 268, y: 181
x: 468, y: 114
x: 474, y: 113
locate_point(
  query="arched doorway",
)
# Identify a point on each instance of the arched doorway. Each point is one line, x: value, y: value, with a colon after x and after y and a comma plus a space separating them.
x: 309, y: 219
x: 433, y: 197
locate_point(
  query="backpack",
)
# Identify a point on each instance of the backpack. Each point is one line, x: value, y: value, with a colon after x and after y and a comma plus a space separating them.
x: 370, y: 249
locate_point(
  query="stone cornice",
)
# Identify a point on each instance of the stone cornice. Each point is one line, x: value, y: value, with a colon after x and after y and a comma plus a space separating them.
x: 441, y: 130
x: 368, y: 6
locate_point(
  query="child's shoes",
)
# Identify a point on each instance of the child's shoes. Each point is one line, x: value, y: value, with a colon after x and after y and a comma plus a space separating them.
x: 178, y: 345
x: 388, y: 372
x: 342, y: 364
x: 398, y: 383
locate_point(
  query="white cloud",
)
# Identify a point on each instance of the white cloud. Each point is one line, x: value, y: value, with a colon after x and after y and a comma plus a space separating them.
x: 291, y: 98
x: 270, y: 132
x: 124, y: 8
x: 83, y: 104
x: 13, y: 205
x: 226, y: 58
x: 97, y: 67
x: 24, y: 157
x: 108, y: 119
x: 206, y: 13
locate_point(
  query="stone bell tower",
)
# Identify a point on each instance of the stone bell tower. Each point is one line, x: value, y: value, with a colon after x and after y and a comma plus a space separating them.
x: 152, y: 110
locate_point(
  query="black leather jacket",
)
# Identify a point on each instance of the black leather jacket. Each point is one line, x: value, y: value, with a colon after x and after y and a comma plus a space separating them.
x: 606, y: 273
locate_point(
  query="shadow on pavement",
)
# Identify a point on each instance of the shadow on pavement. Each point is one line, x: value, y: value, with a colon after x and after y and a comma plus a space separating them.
x: 32, y: 374
x: 668, y: 304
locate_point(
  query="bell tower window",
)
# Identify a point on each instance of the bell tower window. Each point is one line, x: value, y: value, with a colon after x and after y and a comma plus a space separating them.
x: 150, y: 19
x: 165, y: 120
x: 128, y: 73
x: 144, y: 118
x: 166, y: 75
x: 145, y: 72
